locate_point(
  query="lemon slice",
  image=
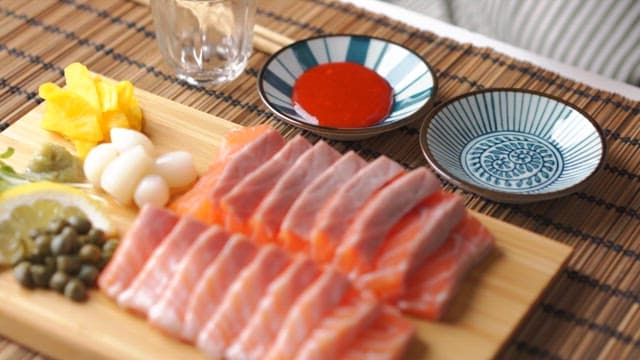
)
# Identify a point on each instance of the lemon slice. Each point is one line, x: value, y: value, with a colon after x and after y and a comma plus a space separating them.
x: 34, y: 205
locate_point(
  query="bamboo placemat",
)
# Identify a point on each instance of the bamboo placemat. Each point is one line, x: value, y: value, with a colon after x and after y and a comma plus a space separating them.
x: 590, y: 311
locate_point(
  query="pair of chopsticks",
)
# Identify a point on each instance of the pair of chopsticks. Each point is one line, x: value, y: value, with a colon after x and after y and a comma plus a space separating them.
x: 264, y: 40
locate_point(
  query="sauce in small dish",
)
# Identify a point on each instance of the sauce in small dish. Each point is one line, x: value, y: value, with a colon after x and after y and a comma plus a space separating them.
x: 342, y: 95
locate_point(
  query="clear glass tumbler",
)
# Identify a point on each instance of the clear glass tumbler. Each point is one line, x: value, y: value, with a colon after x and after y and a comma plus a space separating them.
x: 205, y: 42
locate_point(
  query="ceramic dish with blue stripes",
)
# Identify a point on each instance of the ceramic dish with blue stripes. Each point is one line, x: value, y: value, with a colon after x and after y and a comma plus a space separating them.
x: 512, y: 145
x: 412, y: 81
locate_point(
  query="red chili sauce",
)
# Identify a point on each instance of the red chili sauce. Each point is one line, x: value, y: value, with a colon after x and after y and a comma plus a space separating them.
x: 343, y: 95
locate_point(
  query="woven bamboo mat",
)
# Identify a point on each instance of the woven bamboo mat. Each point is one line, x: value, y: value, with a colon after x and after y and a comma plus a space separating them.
x: 590, y: 311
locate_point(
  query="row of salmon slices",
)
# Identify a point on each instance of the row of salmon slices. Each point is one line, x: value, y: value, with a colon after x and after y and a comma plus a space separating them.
x: 393, y: 232
x: 236, y: 299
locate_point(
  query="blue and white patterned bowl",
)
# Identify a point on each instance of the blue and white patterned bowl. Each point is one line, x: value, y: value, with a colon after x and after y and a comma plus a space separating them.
x: 411, y: 78
x: 512, y: 145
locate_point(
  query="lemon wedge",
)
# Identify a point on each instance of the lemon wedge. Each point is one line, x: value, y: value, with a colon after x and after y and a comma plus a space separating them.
x: 34, y: 205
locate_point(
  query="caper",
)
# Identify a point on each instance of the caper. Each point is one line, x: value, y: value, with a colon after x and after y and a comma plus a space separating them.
x: 68, y: 263
x: 90, y: 253
x: 88, y: 274
x: 40, y: 275
x: 65, y: 242
x: 72, y: 237
x: 43, y: 244
x: 50, y: 263
x: 58, y: 281
x: 96, y: 236
x: 80, y: 223
x: 56, y: 226
x: 22, y: 274
x: 75, y: 290
x: 36, y: 256
x: 110, y: 246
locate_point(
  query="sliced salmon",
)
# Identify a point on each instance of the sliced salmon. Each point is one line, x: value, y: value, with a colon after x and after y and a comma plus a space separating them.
x: 340, y: 328
x: 410, y: 241
x: 169, y: 312
x: 242, y: 300
x: 386, y: 339
x: 337, y: 215
x: 371, y: 226
x: 241, y: 164
x: 297, y: 225
x: 148, y: 286
x: 266, y: 220
x: 148, y: 230
x: 239, y: 204
x: 432, y: 287
x: 195, y: 202
x: 257, y: 337
x: 216, y: 280
x: 307, y: 312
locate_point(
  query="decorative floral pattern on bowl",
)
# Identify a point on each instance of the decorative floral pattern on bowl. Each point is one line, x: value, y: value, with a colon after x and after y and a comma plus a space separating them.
x: 513, y: 145
x: 410, y: 76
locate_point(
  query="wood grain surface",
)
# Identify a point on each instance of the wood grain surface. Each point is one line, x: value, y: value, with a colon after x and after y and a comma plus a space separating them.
x: 492, y: 302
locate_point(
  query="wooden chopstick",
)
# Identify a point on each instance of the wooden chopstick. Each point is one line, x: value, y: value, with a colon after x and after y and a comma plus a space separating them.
x: 264, y: 40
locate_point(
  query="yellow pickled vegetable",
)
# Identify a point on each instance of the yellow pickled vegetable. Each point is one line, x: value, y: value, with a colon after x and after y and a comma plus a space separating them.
x: 88, y: 107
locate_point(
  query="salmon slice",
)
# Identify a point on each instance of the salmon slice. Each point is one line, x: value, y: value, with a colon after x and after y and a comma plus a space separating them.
x: 168, y: 314
x: 148, y: 286
x: 269, y: 215
x: 242, y: 201
x: 312, y: 306
x: 195, y: 202
x: 432, y: 287
x: 340, y: 328
x: 297, y: 225
x: 371, y: 226
x: 241, y: 164
x: 410, y: 241
x: 242, y: 300
x: 212, y: 287
x: 386, y: 339
x: 337, y: 215
x: 149, y: 229
x: 257, y: 337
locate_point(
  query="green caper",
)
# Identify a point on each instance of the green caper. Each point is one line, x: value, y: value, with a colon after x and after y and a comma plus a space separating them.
x: 65, y: 242
x: 90, y: 253
x: 56, y: 226
x: 22, y: 274
x: 36, y: 256
x: 50, y: 263
x: 75, y: 290
x: 33, y: 233
x: 88, y: 274
x: 40, y: 275
x: 43, y: 244
x: 96, y: 236
x: 68, y: 263
x: 110, y: 246
x: 72, y: 237
x: 80, y: 223
x: 58, y: 281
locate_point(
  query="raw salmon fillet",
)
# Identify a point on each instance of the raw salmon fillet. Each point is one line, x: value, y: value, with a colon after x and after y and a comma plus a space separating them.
x: 371, y: 226
x: 267, y: 218
x: 337, y: 215
x: 257, y: 337
x: 431, y: 289
x: 195, y: 202
x: 340, y: 328
x: 410, y: 241
x: 147, y: 231
x: 242, y: 163
x: 215, y: 282
x: 386, y: 339
x: 242, y: 201
x: 298, y: 223
x: 242, y: 300
x: 307, y: 312
x: 147, y: 288
x: 168, y: 313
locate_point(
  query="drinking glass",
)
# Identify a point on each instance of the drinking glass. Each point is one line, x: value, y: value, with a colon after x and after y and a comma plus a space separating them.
x: 204, y: 42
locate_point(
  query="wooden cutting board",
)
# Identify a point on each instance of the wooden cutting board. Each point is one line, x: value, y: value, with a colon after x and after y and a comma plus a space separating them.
x: 492, y: 303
